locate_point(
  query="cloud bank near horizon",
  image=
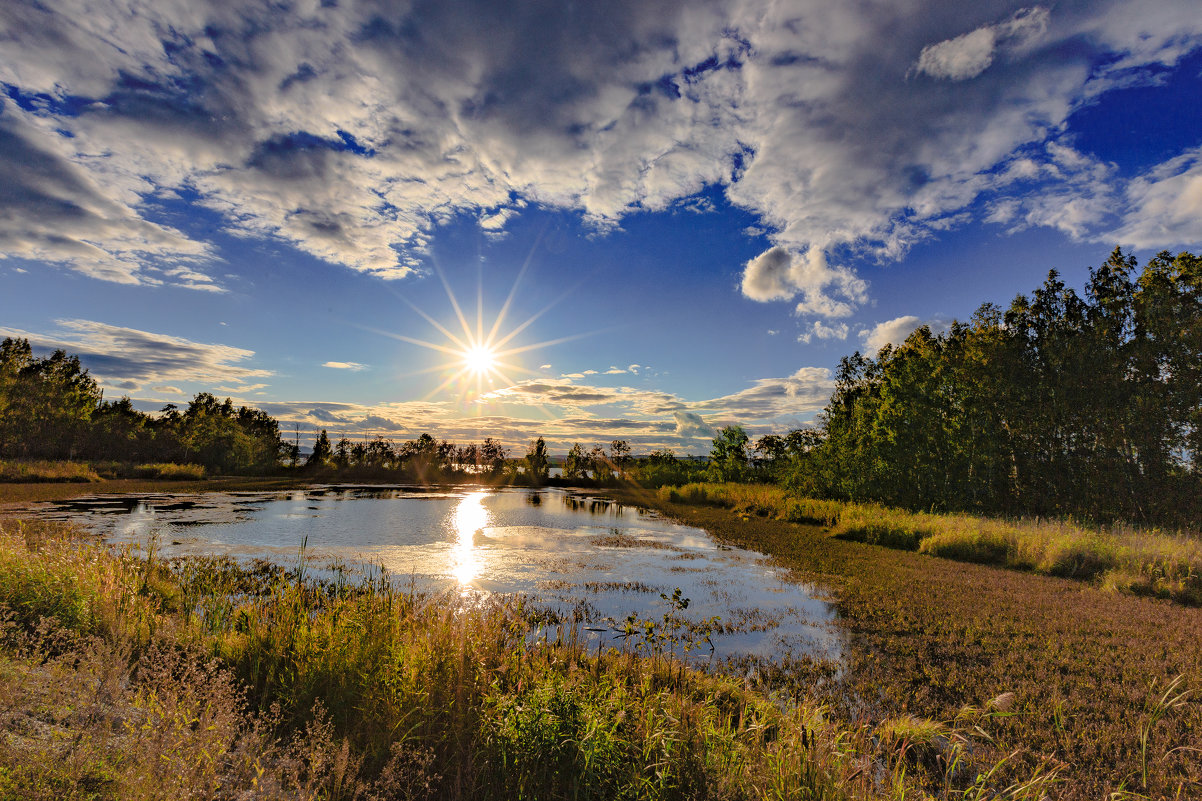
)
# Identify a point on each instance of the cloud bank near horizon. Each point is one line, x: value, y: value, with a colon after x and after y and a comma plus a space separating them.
x: 352, y: 131
x: 156, y: 369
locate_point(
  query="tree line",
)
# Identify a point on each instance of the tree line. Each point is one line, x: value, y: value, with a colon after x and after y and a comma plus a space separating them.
x: 1059, y: 404
x: 1088, y: 405
x: 51, y: 408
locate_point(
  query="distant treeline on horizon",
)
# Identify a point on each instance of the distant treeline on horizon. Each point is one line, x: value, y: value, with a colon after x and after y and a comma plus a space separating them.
x: 1058, y: 405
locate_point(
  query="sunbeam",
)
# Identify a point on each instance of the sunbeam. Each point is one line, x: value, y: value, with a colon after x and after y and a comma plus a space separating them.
x: 479, y: 360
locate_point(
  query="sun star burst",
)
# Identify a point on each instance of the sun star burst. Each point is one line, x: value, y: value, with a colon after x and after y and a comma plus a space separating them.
x: 479, y: 358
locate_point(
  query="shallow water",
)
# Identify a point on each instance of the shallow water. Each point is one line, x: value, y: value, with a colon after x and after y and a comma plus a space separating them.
x: 566, y: 550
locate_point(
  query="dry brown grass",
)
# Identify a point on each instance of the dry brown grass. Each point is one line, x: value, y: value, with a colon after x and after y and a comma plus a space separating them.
x: 110, y: 692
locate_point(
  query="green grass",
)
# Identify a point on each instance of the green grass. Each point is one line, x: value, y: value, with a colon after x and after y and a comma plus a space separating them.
x: 169, y: 471
x: 128, y: 678
x: 959, y: 682
x: 1149, y: 562
x: 19, y: 471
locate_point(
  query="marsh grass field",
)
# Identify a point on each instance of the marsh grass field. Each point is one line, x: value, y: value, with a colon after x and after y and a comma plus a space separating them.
x: 1092, y: 670
x: 1142, y: 561
x: 126, y: 676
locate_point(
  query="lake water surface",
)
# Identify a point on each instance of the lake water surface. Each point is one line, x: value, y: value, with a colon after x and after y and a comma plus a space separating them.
x: 567, y: 550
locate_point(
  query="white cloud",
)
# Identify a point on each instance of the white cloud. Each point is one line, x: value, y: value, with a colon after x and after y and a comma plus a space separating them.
x: 894, y: 332
x: 768, y: 399
x: 820, y: 330
x: 970, y: 54
x: 335, y: 128
x: 127, y: 358
x: 353, y: 366
x: 778, y: 274
x: 1165, y: 208
x: 691, y: 424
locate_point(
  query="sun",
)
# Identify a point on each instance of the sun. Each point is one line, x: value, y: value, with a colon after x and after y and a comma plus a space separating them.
x: 481, y: 356
x: 480, y: 359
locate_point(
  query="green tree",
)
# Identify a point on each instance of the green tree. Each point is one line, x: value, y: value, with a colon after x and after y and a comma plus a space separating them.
x: 619, y: 455
x: 537, y: 463
x: 599, y: 465
x: 728, y: 458
x: 46, y: 404
x: 492, y: 454
x: 575, y: 464
x: 322, y: 451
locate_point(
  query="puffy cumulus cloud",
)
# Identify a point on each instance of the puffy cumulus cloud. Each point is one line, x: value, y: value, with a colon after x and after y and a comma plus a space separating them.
x: 894, y: 332
x: 127, y: 358
x: 820, y: 330
x: 970, y: 54
x: 778, y: 274
x: 691, y: 424
x: 1165, y: 208
x: 353, y: 129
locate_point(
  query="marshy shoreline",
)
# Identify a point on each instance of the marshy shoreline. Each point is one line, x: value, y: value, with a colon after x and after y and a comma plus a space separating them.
x: 953, y: 671
x: 928, y: 636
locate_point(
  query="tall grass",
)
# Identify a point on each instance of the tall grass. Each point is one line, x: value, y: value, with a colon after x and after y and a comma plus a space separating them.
x: 168, y: 471
x: 123, y: 677
x: 1140, y: 561
x: 40, y: 470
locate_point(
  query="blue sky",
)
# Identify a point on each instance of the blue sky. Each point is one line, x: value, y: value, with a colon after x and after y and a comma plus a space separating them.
x: 694, y: 208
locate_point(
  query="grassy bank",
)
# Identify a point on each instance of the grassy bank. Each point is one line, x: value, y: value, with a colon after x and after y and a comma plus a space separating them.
x: 128, y: 679
x: 22, y: 471
x: 1140, y: 561
x: 28, y: 471
x: 13, y: 496
x: 1087, y: 668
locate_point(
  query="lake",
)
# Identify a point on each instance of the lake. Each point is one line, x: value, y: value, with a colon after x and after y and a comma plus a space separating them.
x: 573, y: 552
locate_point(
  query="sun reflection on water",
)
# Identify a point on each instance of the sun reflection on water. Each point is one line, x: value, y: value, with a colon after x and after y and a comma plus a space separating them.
x: 470, y: 517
